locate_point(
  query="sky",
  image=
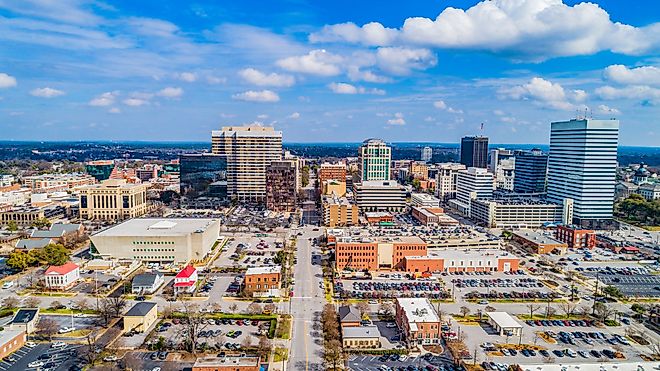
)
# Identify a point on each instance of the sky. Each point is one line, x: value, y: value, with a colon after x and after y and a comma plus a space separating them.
x: 327, y: 71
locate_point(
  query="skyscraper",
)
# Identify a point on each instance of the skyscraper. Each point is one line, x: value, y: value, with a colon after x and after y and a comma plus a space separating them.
x: 374, y: 158
x: 203, y: 176
x: 582, y: 166
x: 249, y: 150
x: 474, y: 151
x: 427, y: 154
x: 531, y: 168
x: 281, y: 181
x: 472, y: 183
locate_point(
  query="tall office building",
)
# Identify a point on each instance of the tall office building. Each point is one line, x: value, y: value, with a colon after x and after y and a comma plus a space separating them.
x: 582, y: 166
x: 474, y: 151
x: 497, y: 155
x: 445, y: 181
x: 203, y: 176
x: 531, y: 168
x: 249, y: 150
x: 374, y: 158
x: 281, y: 189
x: 427, y: 154
x: 473, y: 183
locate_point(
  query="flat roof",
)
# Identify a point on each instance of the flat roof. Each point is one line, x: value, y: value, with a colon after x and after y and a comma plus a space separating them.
x: 158, y: 227
x: 504, y: 320
x: 7, y: 335
x: 226, y: 361
x: 25, y: 315
x: 264, y: 270
x: 418, y: 309
x: 467, y: 254
x: 538, y: 237
x: 599, y: 366
x: 140, y: 309
x: 360, y: 332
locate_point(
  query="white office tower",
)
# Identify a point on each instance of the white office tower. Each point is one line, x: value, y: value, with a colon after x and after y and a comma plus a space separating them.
x: 505, y: 174
x: 249, y: 150
x: 582, y: 166
x: 374, y: 158
x: 473, y: 183
x: 427, y: 154
x: 497, y: 155
x: 445, y: 181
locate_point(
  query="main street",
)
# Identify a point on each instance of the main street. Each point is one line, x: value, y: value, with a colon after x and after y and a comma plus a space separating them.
x: 306, y: 306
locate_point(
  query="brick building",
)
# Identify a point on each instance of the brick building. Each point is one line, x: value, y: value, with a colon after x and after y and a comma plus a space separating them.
x: 262, y: 279
x: 576, y: 237
x: 376, y: 253
x: 418, y: 320
x: 281, y: 190
x: 329, y: 171
x: 462, y: 261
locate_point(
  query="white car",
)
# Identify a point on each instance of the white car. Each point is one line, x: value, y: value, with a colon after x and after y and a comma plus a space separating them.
x: 390, y: 325
x: 58, y: 344
x: 403, y: 358
x: 8, y: 284
x: 30, y: 344
x: 65, y: 330
x: 373, y: 301
x: 35, y: 364
x: 110, y: 359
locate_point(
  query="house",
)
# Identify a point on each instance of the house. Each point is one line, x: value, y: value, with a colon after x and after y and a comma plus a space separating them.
x: 259, y: 280
x: 227, y: 363
x: 349, y: 316
x: 140, y: 317
x: 365, y: 337
x: 62, y: 277
x: 11, y: 341
x: 185, y: 281
x: 25, y: 319
x: 33, y: 243
x: 60, y: 232
x: 147, y: 283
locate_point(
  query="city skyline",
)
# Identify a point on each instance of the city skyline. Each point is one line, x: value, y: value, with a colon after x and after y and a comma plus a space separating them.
x: 77, y: 70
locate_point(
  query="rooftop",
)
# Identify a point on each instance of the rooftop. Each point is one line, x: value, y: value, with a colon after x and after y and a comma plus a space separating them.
x: 349, y: 313
x: 418, y: 309
x: 7, y: 335
x: 61, y: 269
x: 145, y: 279
x: 360, y: 332
x: 264, y: 270
x: 140, y: 309
x: 158, y: 227
x: 227, y: 361
x: 537, y: 237
x: 503, y: 320
x: 464, y: 254
x: 25, y: 315
x: 186, y: 272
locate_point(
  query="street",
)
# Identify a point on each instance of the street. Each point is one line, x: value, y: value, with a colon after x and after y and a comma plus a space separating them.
x: 306, y: 306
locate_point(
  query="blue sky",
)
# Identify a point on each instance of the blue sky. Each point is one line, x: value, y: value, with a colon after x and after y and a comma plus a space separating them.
x: 326, y: 70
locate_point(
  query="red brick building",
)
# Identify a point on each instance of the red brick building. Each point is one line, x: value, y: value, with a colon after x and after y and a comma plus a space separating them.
x: 263, y: 279
x: 375, y: 254
x: 576, y: 237
x: 329, y: 171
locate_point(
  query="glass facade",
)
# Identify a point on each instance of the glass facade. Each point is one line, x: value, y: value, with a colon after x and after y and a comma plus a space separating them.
x: 203, y: 176
x: 100, y: 170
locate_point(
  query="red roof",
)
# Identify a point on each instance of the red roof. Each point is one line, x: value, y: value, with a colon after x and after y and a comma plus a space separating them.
x: 184, y: 284
x: 186, y: 272
x: 61, y: 269
x: 630, y: 248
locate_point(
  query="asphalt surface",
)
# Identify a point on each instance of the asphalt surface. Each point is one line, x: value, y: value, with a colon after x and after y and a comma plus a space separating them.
x: 61, y: 357
x: 306, y: 306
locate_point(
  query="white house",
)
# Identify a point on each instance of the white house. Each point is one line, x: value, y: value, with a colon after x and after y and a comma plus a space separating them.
x: 147, y: 283
x: 62, y: 277
x: 185, y: 281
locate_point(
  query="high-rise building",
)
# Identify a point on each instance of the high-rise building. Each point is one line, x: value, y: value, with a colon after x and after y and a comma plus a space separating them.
x: 329, y: 171
x: 531, y: 168
x: 281, y: 190
x: 114, y: 200
x: 427, y: 154
x: 473, y: 183
x: 474, y: 151
x: 582, y: 166
x: 374, y: 158
x: 380, y: 195
x: 203, y: 176
x: 100, y: 169
x: 249, y: 150
x: 497, y: 155
x: 446, y: 180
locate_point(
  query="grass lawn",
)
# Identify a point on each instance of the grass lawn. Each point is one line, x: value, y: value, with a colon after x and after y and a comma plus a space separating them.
x: 554, y: 316
x: 281, y: 354
x: 284, y: 327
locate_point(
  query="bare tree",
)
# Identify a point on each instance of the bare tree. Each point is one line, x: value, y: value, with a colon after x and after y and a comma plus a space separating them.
x: 10, y: 302
x: 254, y: 308
x: 567, y: 308
x: 550, y: 311
x: 47, y: 328
x: 89, y: 350
x: 270, y: 308
x: 532, y: 308
x: 247, y: 342
x: 233, y: 307
x: 216, y: 307
x: 117, y: 304
x: 81, y: 303
x: 193, y: 323
x: 31, y: 302
x: 585, y: 310
x: 133, y: 362
x: 55, y: 304
x: 363, y: 307
x: 464, y: 311
x: 602, y: 311
x: 333, y: 354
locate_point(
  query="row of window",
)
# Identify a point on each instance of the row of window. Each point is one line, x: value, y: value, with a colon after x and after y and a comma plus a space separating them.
x: 153, y: 242
x: 153, y: 250
x: 153, y: 257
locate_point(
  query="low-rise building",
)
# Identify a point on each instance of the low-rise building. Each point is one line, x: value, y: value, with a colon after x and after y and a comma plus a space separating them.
x: 147, y: 283
x: 433, y: 216
x: 113, y: 200
x: 418, y: 320
x: 227, y: 363
x: 378, y: 217
x: 62, y: 277
x: 424, y: 200
x: 650, y: 191
x: 380, y: 195
x: 11, y: 341
x: 185, y: 280
x: 576, y: 237
x: 164, y: 241
x: 462, y: 261
x: 46, y: 183
x: 362, y: 337
x: 339, y: 211
x: 332, y: 186
x: 25, y: 216
x: 373, y: 254
x: 263, y: 280
x: 349, y: 316
x: 520, y: 212
x: 328, y: 171
x: 504, y: 323
x: 25, y: 319
x: 539, y: 242
x: 141, y: 317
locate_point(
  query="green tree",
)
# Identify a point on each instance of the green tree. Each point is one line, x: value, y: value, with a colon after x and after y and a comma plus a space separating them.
x: 305, y: 176
x: 41, y: 223
x: 55, y: 254
x: 612, y: 291
x: 20, y: 260
x: 416, y: 184
x: 12, y: 226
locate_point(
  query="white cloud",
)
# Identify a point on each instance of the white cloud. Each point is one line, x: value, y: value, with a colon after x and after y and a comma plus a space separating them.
x: 46, y: 92
x: 187, y: 77
x: 170, y: 92
x: 544, y: 93
x: 257, y: 96
x: 397, y: 120
x: 429, y: 119
x: 645, y: 75
x: 344, y: 88
x: 105, y: 99
x: 259, y: 78
x: 441, y: 105
x: 294, y: 116
x: 263, y: 116
x: 214, y: 80
x: 7, y: 81
x: 498, y: 112
x: 114, y: 110
x: 400, y: 61
x: 532, y: 29
x: 356, y: 74
x: 135, y: 102
x: 579, y: 95
x: 640, y: 92
x: 606, y: 109
x: 317, y: 62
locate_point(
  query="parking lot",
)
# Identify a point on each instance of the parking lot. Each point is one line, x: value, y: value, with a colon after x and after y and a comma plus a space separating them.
x: 50, y: 358
x: 245, y: 252
x: 389, y: 288
x: 635, y: 282
x: 396, y: 362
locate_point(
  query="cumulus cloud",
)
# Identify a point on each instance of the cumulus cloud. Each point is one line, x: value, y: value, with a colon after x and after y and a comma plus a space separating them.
x: 532, y: 29
x: 317, y: 62
x: 544, y: 93
x: 397, y: 119
x: 606, y: 109
x: 187, y: 76
x: 257, y: 96
x: 645, y: 75
x: 7, y: 81
x: 639, y: 92
x: 356, y: 74
x: 344, y: 88
x: 259, y: 78
x: 170, y: 92
x: 294, y: 116
x: 46, y: 92
x: 400, y: 61
x: 135, y: 102
x: 441, y: 105
x: 105, y: 99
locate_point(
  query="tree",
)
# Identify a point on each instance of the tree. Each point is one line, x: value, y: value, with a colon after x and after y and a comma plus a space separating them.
x: 247, y: 342
x: 254, y: 308
x: 193, y: 323
x: 585, y: 310
x: 532, y: 308
x: 270, y: 307
x: 41, y: 223
x: 264, y: 347
x: 602, y: 311
x: 386, y: 309
x: 611, y: 291
x: 216, y: 307
x: 81, y: 304
x: 47, y: 327
x: 12, y: 226
x: 55, y: 304
x: 233, y: 307
x: 567, y: 308
x: 550, y: 311
x: 55, y: 254
x: 19, y: 260
x: 332, y: 353
x: 31, y: 302
x: 465, y: 311
x: 489, y: 308
x: 639, y: 309
x: 363, y: 307
x: 10, y: 302
x: 88, y: 351
x: 416, y: 184
x: 117, y: 304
